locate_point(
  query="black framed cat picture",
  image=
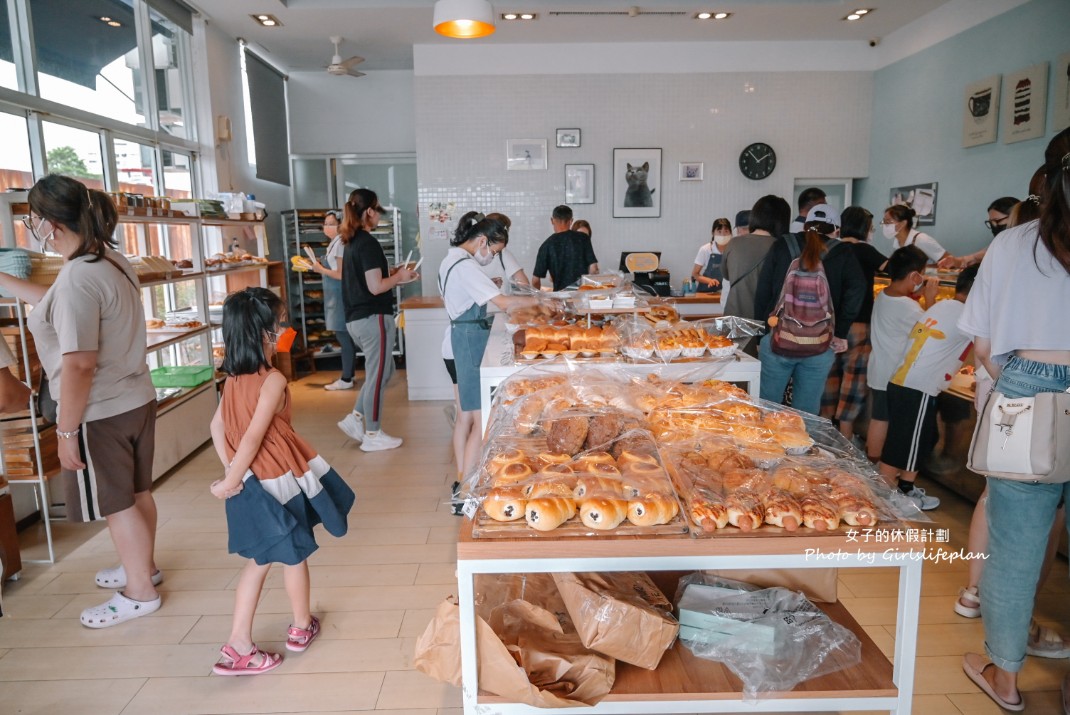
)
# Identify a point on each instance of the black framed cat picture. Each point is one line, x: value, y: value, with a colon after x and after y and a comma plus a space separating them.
x: 636, y: 183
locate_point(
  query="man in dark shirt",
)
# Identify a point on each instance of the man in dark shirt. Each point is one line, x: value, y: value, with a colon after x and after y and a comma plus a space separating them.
x: 566, y: 255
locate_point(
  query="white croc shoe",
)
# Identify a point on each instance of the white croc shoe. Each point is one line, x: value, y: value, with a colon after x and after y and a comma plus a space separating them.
x: 116, y: 578
x: 118, y: 609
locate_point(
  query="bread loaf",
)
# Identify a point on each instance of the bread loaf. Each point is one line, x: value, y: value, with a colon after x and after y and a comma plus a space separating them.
x: 652, y: 509
x: 598, y: 486
x: 548, y: 513
x: 603, y: 514
x: 504, y: 504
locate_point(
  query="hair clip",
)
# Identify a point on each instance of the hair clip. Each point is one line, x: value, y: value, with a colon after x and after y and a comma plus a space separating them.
x: 478, y: 217
x: 1034, y: 198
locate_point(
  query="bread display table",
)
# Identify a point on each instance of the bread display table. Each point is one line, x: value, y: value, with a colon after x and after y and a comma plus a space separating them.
x: 683, y: 683
x: 499, y: 363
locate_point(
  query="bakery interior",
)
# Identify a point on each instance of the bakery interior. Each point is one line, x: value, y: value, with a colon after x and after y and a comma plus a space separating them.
x: 439, y: 126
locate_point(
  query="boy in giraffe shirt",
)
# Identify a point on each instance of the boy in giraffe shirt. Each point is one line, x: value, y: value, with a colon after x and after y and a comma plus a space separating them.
x: 934, y: 352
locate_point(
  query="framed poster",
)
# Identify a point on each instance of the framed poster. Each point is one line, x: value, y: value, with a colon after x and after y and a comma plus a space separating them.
x: 691, y: 170
x: 980, y: 111
x: 1025, y: 104
x: 568, y: 138
x: 1060, y: 116
x: 921, y: 198
x: 525, y: 154
x: 579, y: 183
x: 636, y: 183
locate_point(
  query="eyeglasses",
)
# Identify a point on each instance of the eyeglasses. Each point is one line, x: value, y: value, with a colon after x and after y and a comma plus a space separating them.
x: 888, y: 223
x: 998, y: 223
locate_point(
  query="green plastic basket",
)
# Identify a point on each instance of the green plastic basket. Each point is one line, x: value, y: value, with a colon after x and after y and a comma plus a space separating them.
x: 183, y: 376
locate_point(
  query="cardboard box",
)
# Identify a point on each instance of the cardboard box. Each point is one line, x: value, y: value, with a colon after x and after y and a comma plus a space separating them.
x: 623, y: 615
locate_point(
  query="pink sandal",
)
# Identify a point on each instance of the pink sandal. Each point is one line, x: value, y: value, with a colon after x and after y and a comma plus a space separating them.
x: 298, y: 639
x: 234, y: 663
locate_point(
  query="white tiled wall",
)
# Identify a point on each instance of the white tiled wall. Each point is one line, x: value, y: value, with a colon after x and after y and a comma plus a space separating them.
x: 818, y: 123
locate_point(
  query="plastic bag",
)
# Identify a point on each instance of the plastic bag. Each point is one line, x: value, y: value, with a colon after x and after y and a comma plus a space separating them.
x: 772, y: 639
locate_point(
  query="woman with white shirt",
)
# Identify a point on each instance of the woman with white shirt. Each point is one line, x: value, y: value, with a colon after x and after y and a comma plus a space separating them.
x: 707, y: 270
x: 334, y: 311
x: 1016, y: 312
x: 466, y: 291
x: 898, y: 226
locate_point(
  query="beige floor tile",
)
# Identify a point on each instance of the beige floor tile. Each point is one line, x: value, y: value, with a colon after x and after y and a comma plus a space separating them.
x: 32, y: 606
x: 394, y: 506
x: 186, y: 524
x: 338, y: 656
x: 362, y: 598
x: 410, y: 689
x: 415, y: 622
x: 332, y: 576
x: 437, y: 573
x: 96, y: 696
x: 884, y: 640
x: 356, y: 556
x: 1042, y: 702
x: 337, y: 625
x: 952, y: 639
x: 280, y: 692
x: 174, y: 580
x: 398, y: 536
x: 444, y: 534
x: 882, y: 611
x: 380, y: 521
x: 133, y: 661
x: 178, y: 603
x: 69, y: 632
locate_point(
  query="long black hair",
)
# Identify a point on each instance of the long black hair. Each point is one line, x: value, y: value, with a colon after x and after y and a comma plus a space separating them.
x: 1055, y: 203
x: 474, y: 224
x: 87, y: 212
x: 247, y: 316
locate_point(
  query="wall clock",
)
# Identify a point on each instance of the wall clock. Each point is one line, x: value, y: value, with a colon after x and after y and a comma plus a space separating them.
x: 757, y: 161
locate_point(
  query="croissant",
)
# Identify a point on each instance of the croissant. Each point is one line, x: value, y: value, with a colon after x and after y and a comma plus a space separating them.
x: 745, y: 510
x: 548, y: 513
x: 652, y: 509
x: 708, y: 511
x: 782, y: 509
x: 503, y: 459
x: 601, y: 486
x: 513, y: 473
x: 504, y: 504
x: 819, y: 512
x: 603, y: 513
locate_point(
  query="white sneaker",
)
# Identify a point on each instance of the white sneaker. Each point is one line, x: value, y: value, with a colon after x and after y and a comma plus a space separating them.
x: 339, y: 384
x: 378, y: 441
x: 353, y: 426
x: 924, y: 501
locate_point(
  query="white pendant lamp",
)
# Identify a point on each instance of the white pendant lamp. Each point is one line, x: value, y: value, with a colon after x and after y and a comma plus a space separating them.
x: 464, y: 19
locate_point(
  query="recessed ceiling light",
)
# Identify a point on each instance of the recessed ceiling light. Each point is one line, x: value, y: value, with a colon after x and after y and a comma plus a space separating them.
x: 509, y: 15
x: 862, y: 11
x: 858, y: 14
x: 722, y: 16
x: 527, y: 16
x: 520, y: 16
x: 704, y: 15
x: 266, y: 20
x: 854, y: 17
x: 114, y: 23
x: 105, y: 19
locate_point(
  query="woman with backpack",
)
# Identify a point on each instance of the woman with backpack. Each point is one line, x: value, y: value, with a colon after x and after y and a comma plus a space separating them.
x: 810, y: 292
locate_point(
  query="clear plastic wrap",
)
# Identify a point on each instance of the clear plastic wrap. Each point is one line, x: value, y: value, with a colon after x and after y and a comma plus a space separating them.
x: 772, y: 639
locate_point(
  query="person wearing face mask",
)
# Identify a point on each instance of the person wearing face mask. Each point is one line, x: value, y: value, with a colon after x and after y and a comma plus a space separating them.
x: 466, y: 291
x: 368, y: 284
x: 707, y: 270
x: 335, y: 315
x: 999, y: 218
x: 898, y: 227
x: 895, y: 311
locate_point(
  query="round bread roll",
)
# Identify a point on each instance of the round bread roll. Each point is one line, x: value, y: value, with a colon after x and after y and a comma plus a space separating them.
x: 503, y: 459
x: 512, y: 473
x: 504, y: 504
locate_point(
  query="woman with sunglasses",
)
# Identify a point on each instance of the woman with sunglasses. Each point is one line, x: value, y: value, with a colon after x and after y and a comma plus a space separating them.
x: 89, y: 327
x: 368, y: 285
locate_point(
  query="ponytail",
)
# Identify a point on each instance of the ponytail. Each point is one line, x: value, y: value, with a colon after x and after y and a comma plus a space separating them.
x: 474, y: 224
x: 87, y: 212
x: 360, y: 200
x: 1055, y: 203
x: 815, y: 245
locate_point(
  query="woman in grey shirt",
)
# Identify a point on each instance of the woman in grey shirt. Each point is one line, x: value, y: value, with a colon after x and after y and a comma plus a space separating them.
x: 744, y: 255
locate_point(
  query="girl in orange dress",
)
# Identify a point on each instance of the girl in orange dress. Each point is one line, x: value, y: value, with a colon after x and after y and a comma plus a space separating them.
x: 277, y: 488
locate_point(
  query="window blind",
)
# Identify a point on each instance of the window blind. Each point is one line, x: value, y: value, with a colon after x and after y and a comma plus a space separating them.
x: 267, y: 104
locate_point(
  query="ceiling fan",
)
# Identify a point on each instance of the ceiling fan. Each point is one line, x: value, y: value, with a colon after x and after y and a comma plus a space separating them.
x: 342, y: 67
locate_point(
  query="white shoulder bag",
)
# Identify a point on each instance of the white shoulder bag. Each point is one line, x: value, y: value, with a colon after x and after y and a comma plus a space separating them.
x: 1024, y: 439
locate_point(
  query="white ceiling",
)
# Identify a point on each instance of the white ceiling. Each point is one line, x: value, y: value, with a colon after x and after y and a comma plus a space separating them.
x: 384, y: 31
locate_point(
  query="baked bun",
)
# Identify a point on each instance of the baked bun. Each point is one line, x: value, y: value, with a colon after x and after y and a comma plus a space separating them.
x: 504, y: 504
x: 652, y: 509
x: 603, y: 514
x: 503, y: 459
x: 548, y: 513
x: 513, y: 473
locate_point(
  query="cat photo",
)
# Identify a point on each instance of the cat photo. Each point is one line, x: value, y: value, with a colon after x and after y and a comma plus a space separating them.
x: 639, y: 194
x: 637, y: 183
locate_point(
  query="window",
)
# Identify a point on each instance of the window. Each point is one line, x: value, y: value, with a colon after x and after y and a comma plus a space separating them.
x: 89, y: 60
x: 8, y: 73
x: 75, y: 153
x: 16, y: 170
x: 177, y: 175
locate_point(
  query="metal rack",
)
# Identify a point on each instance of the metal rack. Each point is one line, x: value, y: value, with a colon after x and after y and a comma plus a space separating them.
x: 303, y: 228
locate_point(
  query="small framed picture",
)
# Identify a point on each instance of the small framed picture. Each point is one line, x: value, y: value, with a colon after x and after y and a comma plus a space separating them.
x: 525, y: 154
x: 579, y: 183
x: 691, y: 171
x: 568, y: 138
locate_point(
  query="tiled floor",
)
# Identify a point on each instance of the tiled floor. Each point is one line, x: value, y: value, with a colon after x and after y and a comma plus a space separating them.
x: 375, y: 589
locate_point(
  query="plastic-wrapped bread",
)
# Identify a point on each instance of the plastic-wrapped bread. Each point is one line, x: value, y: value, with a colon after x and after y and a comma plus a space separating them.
x: 708, y: 510
x: 853, y: 497
x: 784, y: 420
x: 727, y: 458
x: 628, y: 457
x: 782, y: 509
x: 794, y: 441
x: 602, y: 430
x: 505, y: 503
x: 503, y: 459
x: 751, y: 479
x: 603, y: 513
x: 548, y: 488
x: 598, y: 486
x: 566, y: 434
x: 652, y: 509
x: 544, y: 459
x: 548, y: 513
x: 528, y: 414
x: 512, y: 474
x: 636, y: 482
x: 744, y: 510
x: 819, y: 512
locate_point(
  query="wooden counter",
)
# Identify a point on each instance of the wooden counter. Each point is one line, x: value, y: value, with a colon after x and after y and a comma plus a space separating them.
x: 421, y: 302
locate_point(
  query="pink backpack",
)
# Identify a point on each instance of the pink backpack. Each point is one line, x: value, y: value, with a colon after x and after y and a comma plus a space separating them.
x: 805, y: 316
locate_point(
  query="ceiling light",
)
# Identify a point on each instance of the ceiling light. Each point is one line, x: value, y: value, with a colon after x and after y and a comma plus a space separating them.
x: 509, y: 16
x: 527, y: 16
x: 464, y: 19
x: 266, y: 20
x: 114, y: 23
x: 105, y: 19
x: 862, y: 11
x: 854, y: 17
x: 704, y: 16
x: 722, y: 16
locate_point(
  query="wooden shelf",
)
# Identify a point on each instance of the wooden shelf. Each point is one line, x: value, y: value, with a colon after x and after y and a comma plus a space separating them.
x: 239, y: 269
x: 162, y: 339
x: 187, y: 393
x: 173, y: 279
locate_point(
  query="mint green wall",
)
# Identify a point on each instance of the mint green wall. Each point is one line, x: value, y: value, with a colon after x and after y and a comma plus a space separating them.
x: 917, y: 124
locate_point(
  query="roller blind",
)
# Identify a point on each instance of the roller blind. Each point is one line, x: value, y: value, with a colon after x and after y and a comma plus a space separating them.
x: 267, y: 104
x: 175, y: 11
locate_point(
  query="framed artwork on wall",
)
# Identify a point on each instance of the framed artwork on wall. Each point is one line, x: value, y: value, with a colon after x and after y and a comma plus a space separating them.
x: 1025, y: 104
x: 568, y: 138
x: 1060, y: 116
x: 525, y: 154
x: 691, y: 170
x: 921, y: 198
x: 980, y: 112
x: 636, y: 183
x: 579, y: 183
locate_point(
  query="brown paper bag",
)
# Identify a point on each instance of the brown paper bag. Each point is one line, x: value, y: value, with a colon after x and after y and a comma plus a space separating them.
x: 623, y: 615
x: 554, y: 670
x: 819, y: 585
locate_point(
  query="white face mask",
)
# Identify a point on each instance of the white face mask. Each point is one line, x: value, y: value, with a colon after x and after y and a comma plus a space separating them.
x: 483, y: 259
x: 888, y: 229
x: 48, y: 243
x: 918, y: 287
x: 722, y: 241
